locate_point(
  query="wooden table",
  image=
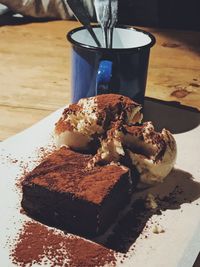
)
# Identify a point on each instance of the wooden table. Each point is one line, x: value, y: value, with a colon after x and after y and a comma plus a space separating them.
x: 35, y: 71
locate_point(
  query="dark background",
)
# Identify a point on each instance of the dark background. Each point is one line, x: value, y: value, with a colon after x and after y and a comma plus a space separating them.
x: 171, y: 14
x: 177, y: 14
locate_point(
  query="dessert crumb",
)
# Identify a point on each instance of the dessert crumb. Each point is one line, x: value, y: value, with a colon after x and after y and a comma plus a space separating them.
x: 157, y: 229
x: 151, y: 202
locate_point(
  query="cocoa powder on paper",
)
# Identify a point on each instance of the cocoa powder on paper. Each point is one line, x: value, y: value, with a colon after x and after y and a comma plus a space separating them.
x: 38, y: 244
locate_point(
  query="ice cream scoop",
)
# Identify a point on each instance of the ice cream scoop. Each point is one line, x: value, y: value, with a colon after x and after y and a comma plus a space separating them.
x: 153, y: 154
x: 154, y: 167
x: 84, y: 122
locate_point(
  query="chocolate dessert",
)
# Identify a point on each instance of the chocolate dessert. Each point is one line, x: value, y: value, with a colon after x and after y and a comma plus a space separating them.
x: 83, y: 193
x: 65, y: 192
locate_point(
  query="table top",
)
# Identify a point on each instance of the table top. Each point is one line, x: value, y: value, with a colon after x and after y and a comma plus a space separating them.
x: 35, y: 71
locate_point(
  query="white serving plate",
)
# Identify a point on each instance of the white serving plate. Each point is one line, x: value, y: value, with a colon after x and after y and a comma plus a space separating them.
x: 178, y: 246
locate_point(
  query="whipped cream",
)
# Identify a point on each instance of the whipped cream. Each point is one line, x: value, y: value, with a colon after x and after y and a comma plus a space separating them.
x: 113, y: 122
x: 152, y: 153
x: 90, y: 118
x: 155, y: 167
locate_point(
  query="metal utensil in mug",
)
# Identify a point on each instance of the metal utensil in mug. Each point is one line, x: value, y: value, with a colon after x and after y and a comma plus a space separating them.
x: 82, y: 15
x: 103, y: 15
x: 113, y: 4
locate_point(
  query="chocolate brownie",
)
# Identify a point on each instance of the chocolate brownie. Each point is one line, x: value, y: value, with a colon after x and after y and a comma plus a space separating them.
x: 62, y: 191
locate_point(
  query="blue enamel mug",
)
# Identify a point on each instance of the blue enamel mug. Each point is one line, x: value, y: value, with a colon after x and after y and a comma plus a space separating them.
x: 121, y: 69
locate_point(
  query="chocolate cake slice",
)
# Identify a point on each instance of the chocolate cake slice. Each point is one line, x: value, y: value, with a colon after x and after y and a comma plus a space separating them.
x: 63, y: 192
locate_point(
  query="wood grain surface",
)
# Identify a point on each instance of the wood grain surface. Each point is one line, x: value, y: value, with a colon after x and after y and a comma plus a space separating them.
x: 35, y: 71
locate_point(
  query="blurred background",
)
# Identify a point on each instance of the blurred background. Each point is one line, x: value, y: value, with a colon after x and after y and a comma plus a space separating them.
x: 176, y: 14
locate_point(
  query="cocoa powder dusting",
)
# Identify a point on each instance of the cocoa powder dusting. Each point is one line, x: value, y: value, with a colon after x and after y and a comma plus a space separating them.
x: 113, y: 101
x: 38, y: 244
x: 63, y: 125
x: 66, y: 171
x: 41, y: 154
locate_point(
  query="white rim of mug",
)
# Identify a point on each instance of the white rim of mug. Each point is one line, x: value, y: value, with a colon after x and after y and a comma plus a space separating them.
x: 132, y: 49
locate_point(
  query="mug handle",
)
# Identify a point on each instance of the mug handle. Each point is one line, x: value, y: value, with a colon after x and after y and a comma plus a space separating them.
x: 104, y: 75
